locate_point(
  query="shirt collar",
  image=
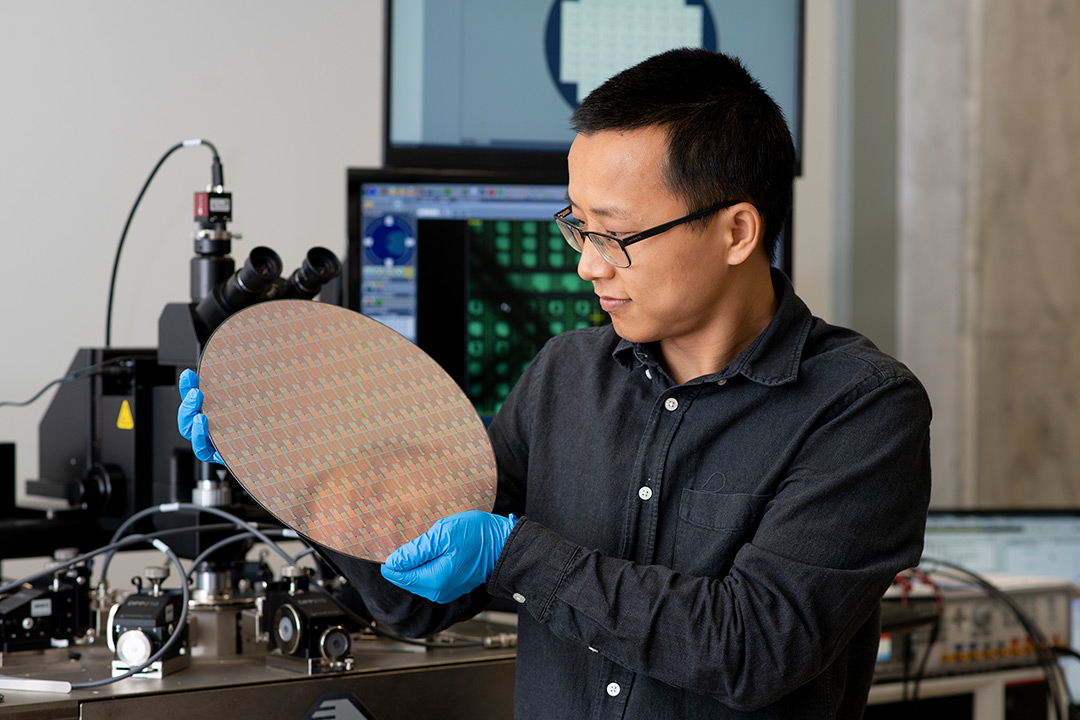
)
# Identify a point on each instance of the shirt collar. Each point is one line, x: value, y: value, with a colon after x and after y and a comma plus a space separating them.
x: 771, y: 359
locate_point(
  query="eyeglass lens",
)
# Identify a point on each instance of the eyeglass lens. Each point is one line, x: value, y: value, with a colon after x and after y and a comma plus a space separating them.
x: 608, y: 248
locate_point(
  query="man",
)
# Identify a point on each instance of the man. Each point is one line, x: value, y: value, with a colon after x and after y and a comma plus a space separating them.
x: 699, y: 506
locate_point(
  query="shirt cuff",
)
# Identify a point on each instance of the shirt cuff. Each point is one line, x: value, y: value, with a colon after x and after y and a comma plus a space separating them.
x: 531, y: 566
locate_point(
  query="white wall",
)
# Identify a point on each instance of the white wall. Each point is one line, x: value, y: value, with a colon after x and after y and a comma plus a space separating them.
x: 92, y: 94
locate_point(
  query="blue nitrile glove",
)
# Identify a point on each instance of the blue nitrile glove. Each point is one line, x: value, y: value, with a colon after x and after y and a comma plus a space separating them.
x: 455, y: 556
x: 191, y: 422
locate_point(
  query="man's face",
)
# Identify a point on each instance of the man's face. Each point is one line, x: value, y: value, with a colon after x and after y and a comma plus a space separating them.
x: 675, y: 284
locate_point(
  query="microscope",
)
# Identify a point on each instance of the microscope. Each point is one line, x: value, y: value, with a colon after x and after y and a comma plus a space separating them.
x: 109, y: 446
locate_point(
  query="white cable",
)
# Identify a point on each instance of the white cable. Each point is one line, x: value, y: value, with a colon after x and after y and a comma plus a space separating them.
x: 53, y: 686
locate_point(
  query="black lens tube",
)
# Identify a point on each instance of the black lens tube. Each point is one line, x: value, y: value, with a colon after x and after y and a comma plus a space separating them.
x: 320, y: 266
x: 245, y: 287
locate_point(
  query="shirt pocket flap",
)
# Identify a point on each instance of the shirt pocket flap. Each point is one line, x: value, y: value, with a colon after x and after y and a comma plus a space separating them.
x: 721, y: 511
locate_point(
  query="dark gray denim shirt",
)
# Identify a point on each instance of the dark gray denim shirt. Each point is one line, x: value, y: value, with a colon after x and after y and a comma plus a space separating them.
x: 715, y: 549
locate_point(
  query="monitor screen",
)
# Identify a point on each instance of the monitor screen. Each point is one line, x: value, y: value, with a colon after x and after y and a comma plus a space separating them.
x: 492, y: 83
x: 1021, y: 542
x: 469, y: 266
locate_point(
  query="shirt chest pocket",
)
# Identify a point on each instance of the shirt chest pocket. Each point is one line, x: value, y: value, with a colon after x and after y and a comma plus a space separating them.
x: 711, y: 529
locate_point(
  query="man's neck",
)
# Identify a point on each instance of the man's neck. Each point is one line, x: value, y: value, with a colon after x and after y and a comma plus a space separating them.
x: 711, y: 350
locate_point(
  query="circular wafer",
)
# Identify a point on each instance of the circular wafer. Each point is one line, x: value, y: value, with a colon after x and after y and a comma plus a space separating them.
x: 340, y: 427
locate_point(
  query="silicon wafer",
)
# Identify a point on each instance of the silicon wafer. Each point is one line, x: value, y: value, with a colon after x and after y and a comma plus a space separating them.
x: 340, y: 427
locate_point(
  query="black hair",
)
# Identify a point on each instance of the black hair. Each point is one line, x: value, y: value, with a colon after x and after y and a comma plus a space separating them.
x: 727, y: 139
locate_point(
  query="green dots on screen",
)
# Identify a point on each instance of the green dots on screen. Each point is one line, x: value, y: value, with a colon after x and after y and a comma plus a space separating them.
x: 572, y: 283
x: 541, y: 282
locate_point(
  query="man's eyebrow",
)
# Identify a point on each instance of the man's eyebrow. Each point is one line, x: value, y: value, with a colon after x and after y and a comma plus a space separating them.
x: 606, y: 212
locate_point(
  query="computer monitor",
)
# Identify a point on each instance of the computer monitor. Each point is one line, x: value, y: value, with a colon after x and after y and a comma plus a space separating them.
x: 1041, y: 543
x: 468, y: 265
x: 492, y: 83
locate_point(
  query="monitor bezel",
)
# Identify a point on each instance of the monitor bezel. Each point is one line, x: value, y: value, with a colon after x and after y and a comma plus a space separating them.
x: 543, y: 161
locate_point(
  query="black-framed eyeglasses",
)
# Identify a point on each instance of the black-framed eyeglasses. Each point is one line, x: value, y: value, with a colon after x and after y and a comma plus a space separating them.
x: 613, y: 249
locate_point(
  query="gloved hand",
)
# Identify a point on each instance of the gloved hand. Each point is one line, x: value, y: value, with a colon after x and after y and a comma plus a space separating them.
x: 455, y: 556
x: 191, y: 422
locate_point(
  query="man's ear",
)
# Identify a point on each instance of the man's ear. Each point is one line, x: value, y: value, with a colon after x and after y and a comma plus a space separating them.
x: 744, y: 229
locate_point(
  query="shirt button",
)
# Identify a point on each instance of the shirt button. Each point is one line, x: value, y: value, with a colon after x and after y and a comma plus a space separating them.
x: 645, y: 493
x: 648, y: 373
x: 671, y: 404
x: 721, y: 382
x: 519, y: 598
x: 613, y: 689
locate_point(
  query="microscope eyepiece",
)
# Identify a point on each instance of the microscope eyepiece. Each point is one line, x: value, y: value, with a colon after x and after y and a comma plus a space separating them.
x: 320, y: 266
x: 261, y: 268
x: 245, y: 287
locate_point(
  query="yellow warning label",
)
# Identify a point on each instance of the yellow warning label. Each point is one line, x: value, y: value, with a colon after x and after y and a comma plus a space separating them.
x: 125, y: 421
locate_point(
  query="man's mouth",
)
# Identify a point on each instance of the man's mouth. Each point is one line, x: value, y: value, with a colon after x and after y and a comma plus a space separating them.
x: 610, y: 304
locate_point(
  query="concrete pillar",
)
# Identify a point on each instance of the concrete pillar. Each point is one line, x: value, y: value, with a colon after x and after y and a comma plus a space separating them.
x: 989, y: 243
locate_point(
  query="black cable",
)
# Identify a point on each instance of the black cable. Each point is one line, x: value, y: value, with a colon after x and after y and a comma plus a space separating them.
x: 358, y: 619
x: 85, y: 372
x: 118, y: 545
x: 121, y: 543
x: 1044, y: 653
x: 921, y: 672
x: 1066, y: 652
x: 384, y: 632
x: 935, y: 630
x: 353, y: 615
x: 181, y: 625
x: 202, y: 557
x: 905, y: 675
x: 1045, y: 656
x: 217, y: 177
x: 188, y: 507
x: 1042, y: 648
x: 914, y: 680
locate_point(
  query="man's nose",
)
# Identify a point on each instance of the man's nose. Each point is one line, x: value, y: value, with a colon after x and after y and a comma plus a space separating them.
x: 591, y: 265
